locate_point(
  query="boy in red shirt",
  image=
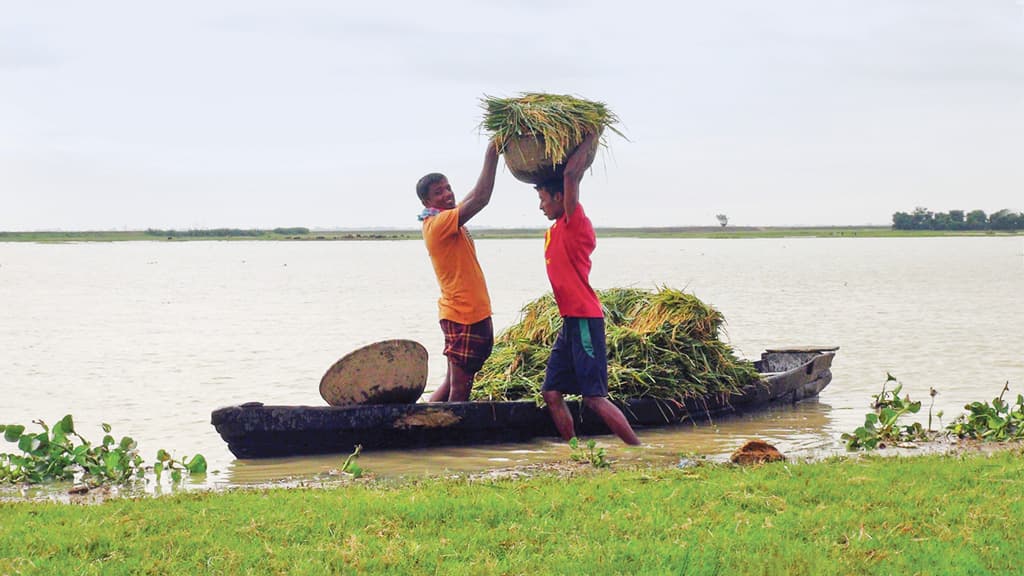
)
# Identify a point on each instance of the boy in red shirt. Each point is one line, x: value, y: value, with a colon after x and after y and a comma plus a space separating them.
x: 578, y: 362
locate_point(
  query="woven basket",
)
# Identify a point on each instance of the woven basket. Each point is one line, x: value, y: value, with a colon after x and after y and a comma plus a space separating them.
x: 526, y: 160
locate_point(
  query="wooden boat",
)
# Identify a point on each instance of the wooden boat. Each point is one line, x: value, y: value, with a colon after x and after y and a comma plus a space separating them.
x: 254, y: 430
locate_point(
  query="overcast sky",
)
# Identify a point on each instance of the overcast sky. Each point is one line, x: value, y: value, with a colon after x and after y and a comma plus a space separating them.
x: 324, y: 114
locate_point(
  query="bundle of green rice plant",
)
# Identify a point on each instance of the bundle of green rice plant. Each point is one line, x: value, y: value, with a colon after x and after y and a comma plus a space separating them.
x: 538, y: 131
x: 663, y: 344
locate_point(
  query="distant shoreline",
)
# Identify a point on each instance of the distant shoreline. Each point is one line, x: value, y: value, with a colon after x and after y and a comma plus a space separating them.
x: 710, y: 232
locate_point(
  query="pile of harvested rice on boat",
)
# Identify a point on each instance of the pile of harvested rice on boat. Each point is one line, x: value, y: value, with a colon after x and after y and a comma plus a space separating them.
x: 661, y: 344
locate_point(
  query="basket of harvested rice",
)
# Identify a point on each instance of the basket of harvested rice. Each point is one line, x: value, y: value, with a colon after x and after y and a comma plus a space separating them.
x: 662, y: 344
x: 538, y: 132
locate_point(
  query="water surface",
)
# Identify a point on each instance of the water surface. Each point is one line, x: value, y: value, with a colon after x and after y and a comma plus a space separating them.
x: 152, y: 336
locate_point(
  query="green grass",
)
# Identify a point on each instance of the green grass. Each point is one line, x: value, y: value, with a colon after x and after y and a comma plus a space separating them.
x: 924, y: 515
x: 498, y: 233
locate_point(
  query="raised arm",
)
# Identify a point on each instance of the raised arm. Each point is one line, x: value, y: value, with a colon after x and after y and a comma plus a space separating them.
x: 480, y: 195
x: 574, y: 169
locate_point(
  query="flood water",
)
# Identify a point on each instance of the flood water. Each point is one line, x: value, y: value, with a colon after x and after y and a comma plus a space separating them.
x: 150, y: 337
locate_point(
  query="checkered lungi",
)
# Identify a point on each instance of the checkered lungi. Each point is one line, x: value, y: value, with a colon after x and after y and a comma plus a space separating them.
x: 468, y: 345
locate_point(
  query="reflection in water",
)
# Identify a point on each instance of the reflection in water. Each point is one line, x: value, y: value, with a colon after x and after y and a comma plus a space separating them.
x: 69, y: 491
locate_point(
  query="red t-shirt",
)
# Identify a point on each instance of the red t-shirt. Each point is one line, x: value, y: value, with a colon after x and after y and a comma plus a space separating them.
x: 568, y: 245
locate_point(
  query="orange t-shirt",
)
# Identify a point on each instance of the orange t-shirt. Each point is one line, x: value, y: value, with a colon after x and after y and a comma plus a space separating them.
x: 464, y: 297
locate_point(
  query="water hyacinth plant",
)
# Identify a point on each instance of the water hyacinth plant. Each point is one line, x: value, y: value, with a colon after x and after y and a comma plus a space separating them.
x: 882, y: 427
x: 995, y: 422
x: 661, y: 344
x: 561, y: 120
x: 61, y: 453
x: 999, y: 421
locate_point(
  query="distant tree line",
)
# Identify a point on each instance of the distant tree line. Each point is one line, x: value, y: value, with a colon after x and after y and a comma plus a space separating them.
x: 221, y: 232
x: 290, y: 231
x: 924, y: 219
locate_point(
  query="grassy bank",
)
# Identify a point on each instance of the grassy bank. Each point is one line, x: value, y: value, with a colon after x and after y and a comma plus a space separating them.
x: 498, y: 233
x: 924, y: 515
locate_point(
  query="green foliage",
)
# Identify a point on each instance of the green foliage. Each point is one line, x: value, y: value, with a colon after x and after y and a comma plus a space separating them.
x: 881, y: 426
x: 226, y: 232
x: 591, y: 454
x: 924, y: 219
x: 997, y: 422
x: 351, y: 466
x: 165, y: 462
x: 60, y: 453
x: 205, y: 233
x: 291, y: 231
x: 1006, y: 220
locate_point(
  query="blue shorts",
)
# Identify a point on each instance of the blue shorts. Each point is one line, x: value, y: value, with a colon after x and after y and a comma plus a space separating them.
x: 578, y: 362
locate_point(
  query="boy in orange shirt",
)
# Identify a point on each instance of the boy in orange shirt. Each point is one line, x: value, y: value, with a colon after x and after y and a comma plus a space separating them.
x: 464, y: 306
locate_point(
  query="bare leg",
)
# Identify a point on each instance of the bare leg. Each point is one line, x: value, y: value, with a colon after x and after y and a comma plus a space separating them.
x: 460, y: 383
x: 441, y: 394
x: 613, y: 417
x: 559, y: 413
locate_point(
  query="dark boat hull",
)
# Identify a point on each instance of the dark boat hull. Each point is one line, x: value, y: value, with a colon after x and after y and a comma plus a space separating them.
x: 253, y: 430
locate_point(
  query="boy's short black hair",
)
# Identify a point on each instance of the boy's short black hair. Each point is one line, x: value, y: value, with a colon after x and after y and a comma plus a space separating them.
x: 423, y: 186
x: 551, y: 186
